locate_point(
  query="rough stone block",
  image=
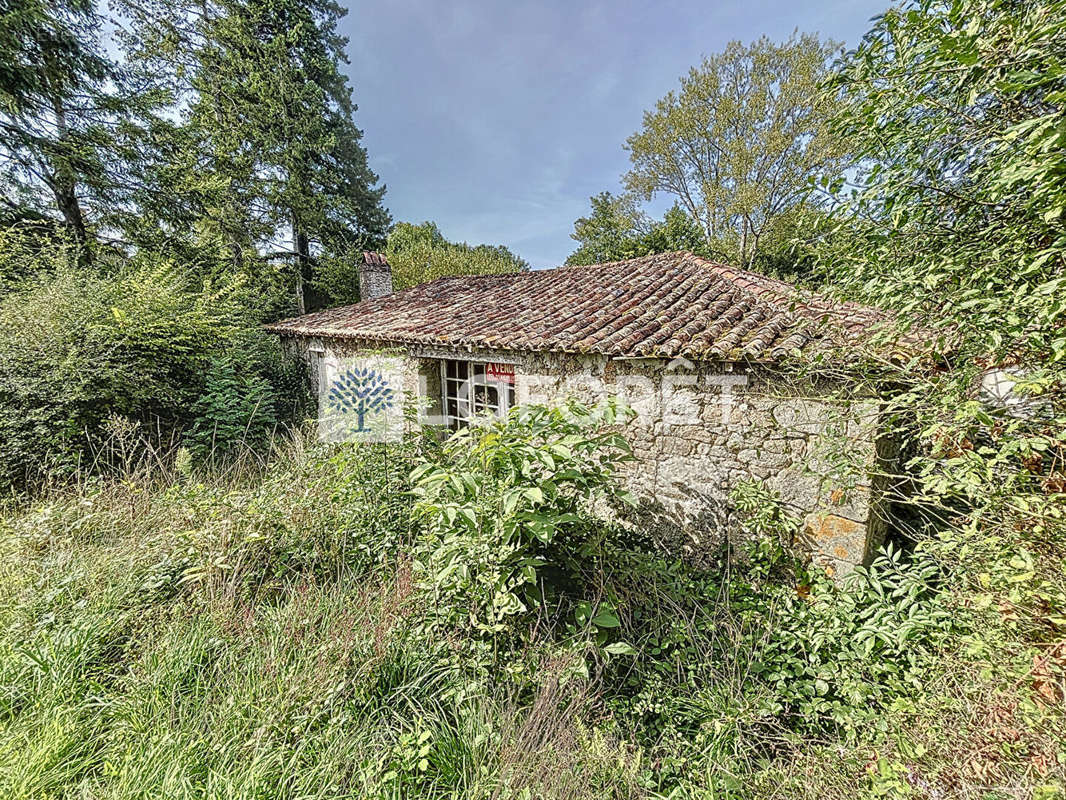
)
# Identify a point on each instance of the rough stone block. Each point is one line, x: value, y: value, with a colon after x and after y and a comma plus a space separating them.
x: 832, y: 538
x: 850, y: 502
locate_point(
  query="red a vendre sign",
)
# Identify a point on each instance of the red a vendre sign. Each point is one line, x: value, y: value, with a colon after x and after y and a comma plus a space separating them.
x: 503, y: 373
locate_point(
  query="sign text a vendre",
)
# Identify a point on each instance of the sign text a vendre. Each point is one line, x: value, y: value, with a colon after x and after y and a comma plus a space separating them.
x: 501, y: 373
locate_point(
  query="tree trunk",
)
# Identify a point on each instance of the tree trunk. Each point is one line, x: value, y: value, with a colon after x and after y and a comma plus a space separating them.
x: 305, y: 298
x: 232, y: 234
x: 65, y: 191
x: 63, y: 182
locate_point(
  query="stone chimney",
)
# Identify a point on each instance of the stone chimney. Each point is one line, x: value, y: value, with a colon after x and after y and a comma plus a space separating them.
x: 375, y: 276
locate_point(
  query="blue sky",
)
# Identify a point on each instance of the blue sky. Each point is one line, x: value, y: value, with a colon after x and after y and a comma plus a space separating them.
x: 497, y: 119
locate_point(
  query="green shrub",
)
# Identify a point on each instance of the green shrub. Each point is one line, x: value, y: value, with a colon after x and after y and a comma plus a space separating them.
x: 833, y: 653
x: 234, y: 413
x: 839, y: 655
x: 508, y: 504
x: 82, y: 351
x: 30, y: 251
x: 759, y: 650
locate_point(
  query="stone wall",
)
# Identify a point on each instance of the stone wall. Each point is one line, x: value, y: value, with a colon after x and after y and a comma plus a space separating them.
x: 701, y: 428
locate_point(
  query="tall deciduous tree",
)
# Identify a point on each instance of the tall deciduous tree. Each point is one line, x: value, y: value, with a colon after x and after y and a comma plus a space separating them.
x: 609, y: 233
x: 740, y: 141
x: 616, y: 229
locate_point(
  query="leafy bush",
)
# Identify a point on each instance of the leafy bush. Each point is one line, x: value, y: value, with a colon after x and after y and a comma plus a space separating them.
x: 957, y: 226
x: 31, y: 250
x: 235, y: 412
x: 508, y: 502
x: 832, y: 653
x: 839, y: 655
x: 759, y: 648
x: 80, y: 349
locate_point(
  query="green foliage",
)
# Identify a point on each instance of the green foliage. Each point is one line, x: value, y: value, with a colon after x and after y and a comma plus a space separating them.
x: 83, y: 351
x: 791, y: 246
x: 284, y: 139
x: 617, y: 230
x: 761, y: 643
x: 609, y: 233
x: 27, y: 251
x: 57, y: 92
x: 841, y: 655
x: 675, y: 231
x: 234, y: 413
x: 270, y: 633
x: 258, y: 636
x: 420, y: 253
x: 955, y: 224
x: 206, y: 133
x: 507, y: 500
x: 338, y: 513
x: 763, y: 514
x: 961, y: 189
x: 740, y: 142
x: 46, y: 51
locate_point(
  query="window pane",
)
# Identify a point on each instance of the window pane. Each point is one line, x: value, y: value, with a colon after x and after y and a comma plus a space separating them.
x: 456, y: 407
x: 468, y: 392
x: 487, y: 396
x: 459, y: 391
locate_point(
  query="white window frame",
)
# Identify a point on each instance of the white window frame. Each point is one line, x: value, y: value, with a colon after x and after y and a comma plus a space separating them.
x: 458, y: 387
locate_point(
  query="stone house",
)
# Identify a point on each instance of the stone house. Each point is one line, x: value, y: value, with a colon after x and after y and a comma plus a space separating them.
x: 705, y: 353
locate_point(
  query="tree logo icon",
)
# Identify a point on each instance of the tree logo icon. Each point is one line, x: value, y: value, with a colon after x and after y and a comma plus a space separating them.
x: 361, y: 391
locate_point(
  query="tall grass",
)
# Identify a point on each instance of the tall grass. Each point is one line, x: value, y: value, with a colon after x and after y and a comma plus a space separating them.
x: 260, y: 632
x: 251, y: 634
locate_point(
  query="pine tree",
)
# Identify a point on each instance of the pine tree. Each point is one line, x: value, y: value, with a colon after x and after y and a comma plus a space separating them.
x: 273, y: 156
x: 54, y: 110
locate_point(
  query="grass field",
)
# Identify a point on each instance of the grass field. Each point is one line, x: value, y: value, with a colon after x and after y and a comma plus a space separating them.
x: 268, y: 634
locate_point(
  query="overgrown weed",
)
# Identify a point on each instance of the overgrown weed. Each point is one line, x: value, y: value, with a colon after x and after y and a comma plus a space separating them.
x: 270, y: 630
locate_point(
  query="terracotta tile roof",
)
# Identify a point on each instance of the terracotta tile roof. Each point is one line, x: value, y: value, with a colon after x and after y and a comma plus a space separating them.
x: 667, y: 305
